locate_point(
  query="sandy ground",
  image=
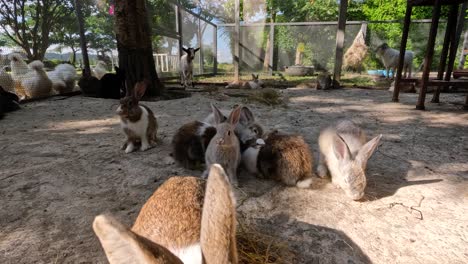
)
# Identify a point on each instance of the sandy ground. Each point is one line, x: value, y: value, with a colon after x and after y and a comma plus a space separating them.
x: 61, y: 165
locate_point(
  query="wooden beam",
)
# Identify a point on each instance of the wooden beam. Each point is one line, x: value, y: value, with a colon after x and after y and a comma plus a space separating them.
x: 200, y: 44
x: 272, y: 46
x: 340, y: 32
x: 401, y: 59
x: 449, y: 34
x: 236, y: 39
x: 429, y: 54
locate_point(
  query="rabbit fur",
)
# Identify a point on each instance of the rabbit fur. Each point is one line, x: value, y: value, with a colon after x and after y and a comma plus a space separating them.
x: 224, y: 147
x: 137, y: 121
x: 344, y: 153
x: 182, y: 222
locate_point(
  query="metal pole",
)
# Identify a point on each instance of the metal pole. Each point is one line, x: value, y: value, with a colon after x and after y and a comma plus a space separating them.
x: 236, y: 40
x: 340, y: 43
x: 215, y: 52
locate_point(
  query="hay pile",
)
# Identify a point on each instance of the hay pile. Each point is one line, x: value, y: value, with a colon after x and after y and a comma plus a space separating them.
x: 255, y: 247
x: 269, y: 97
x: 355, y: 55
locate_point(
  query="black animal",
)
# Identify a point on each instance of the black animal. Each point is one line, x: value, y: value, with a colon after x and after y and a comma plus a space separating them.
x: 111, y: 85
x: 8, y: 102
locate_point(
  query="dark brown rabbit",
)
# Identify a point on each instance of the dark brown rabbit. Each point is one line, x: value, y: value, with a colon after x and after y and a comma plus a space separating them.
x: 190, y: 142
x: 137, y: 121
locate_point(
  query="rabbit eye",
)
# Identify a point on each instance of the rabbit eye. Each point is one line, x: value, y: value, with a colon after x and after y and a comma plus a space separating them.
x: 229, y: 132
x: 255, y: 131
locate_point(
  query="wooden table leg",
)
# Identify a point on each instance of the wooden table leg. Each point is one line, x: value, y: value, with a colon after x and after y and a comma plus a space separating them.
x: 404, y: 39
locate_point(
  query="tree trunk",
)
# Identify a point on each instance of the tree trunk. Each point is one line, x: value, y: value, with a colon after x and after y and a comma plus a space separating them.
x: 73, y: 58
x: 464, y: 52
x: 134, y: 44
x: 84, y: 48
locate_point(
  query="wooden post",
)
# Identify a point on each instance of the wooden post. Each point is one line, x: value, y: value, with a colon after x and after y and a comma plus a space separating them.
x: 236, y: 39
x: 340, y: 43
x: 448, y: 41
x: 401, y: 59
x: 454, y: 40
x: 463, y: 54
x: 429, y: 54
x: 215, y: 52
x: 83, y: 43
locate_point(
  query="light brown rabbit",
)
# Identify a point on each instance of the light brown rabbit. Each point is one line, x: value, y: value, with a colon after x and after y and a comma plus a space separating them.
x: 137, y: 121
x: 344, y: 153
x: 248, y: 130
x: 182, y: 222
x: 224, y: 147
x: 281, y: 157
x: 255, y: 83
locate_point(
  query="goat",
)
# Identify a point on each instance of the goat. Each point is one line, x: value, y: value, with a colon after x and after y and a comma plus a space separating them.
x: 186, y: 66
x: 389, y: 58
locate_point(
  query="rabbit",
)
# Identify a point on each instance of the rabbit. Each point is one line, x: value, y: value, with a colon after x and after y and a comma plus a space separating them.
x: 18, y: 66
x: 89, y: 85
x: 182, y: 222
x: 281, y: 157
x: 344, y: 153
x: 99, y: 70
x: 255, y: 83
x: 8, y: 102
x: 247, y: 130
x: 137, y: 121
x: 190, y: 142
x: 113, y: 84
x: 224, y: 147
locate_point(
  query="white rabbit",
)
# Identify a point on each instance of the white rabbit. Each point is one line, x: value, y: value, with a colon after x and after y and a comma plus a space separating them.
x: 344, y: 153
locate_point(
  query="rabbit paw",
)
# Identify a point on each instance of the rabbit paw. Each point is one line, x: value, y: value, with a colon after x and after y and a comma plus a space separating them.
x: 130, y: 148
x: 322, y: 171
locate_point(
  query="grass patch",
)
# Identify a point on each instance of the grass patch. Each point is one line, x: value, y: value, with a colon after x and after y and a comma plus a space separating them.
x: 269, y: 97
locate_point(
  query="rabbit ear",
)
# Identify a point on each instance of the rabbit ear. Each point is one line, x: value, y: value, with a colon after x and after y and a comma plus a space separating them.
x: 367, y: 150
x: 234, y: 117
x: 197, y: 49
x: 340, y: 148
x: 218, y: 116
x: 218, y: 225
x: 123, y: 246
x: 140, y: 88
x: 247, y: 116
x: 186, y: 50
x: 253, y: 76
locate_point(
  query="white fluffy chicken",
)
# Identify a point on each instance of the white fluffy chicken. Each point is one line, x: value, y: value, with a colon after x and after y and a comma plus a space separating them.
x: 63, y: 78
x: 36, y: 83
x: 18, y: 66
x: 6, y: 81
x: 100, y: 70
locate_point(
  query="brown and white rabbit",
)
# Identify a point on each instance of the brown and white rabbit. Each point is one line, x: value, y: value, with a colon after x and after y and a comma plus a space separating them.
x: 224, y: 147
x: 344, y: 153
x: 285, y: 158
x: 247, y: 130
x: 136, y: 120
x: 255, y: 83
x: 190, y: 143
x: 182, y: 222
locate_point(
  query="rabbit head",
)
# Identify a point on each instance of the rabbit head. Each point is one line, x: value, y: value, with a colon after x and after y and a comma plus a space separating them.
x: 352, y: 170
x: 129, y: 108
x: 164, y: 223
x: 248, y: 130
x: 226, y: 130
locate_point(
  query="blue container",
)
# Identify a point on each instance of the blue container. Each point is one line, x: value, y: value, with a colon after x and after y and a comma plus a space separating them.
x: 382, y: 73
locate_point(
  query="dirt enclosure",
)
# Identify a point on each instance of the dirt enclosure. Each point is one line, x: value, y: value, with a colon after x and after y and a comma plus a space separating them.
x: 61, y: 165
